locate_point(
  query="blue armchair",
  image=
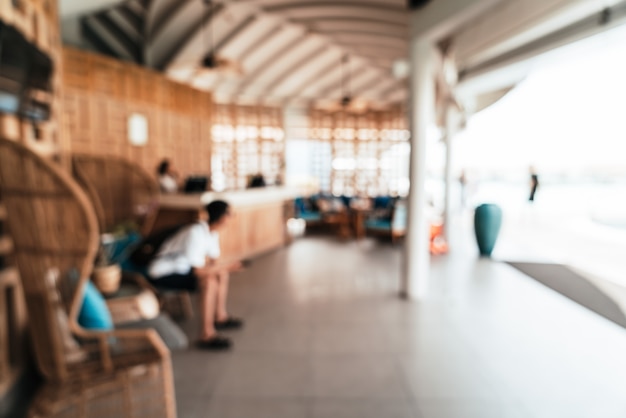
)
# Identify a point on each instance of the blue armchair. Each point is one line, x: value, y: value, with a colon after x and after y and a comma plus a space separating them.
x: 389, y: 218
x: 304, y: 210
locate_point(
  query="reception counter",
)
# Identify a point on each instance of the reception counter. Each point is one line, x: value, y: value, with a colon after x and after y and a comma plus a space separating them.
x: 258, y: 221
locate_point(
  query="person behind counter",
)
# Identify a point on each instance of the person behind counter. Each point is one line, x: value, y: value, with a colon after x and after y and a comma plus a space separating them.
x: 190, y: 260
x: 256, y: 181
x: 168, y: 177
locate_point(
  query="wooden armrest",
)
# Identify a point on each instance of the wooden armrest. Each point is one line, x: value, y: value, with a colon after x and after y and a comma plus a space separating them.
x: 109, y: 350
x: 139, y: 280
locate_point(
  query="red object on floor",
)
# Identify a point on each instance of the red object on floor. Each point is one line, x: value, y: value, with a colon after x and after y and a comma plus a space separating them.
x: 438, y: 244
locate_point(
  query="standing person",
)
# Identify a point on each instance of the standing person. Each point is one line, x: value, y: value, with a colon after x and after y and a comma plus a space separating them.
x: 534, y: 184
x: 190, y: 260
x: 168, y: 177
x: 463, y: 184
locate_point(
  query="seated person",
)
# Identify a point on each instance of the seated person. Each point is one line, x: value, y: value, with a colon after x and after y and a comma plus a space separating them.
x: 168, y: 177
x: 256, y: 181
x: 190, y: 260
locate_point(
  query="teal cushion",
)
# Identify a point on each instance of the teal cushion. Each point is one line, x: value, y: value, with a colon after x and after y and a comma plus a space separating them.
x: 378, y: 224
x: 94, y: 314
x: 310, y: 216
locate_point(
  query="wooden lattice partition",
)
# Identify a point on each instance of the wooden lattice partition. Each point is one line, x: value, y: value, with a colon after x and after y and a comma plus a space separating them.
x: 38, y: 22
x: 247, y: 140
x: 362, y: 154
x: 100, y: 93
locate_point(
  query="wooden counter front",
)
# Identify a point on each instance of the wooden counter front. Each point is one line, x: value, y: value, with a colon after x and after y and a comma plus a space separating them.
x: 258, y: 221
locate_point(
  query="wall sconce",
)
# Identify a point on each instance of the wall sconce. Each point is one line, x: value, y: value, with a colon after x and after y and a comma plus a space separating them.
x: 137, y: 129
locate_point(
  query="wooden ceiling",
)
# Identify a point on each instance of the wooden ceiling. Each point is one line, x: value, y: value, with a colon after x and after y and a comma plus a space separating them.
x: 272, y: 51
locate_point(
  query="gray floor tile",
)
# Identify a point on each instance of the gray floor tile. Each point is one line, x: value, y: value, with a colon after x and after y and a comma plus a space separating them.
x: 453, y: 408
x: 362, y: 408
x: 370, y: 376
x: 275, y: 338
x: 262, y: 375
x: 350, y: 338
x: 245, y: 408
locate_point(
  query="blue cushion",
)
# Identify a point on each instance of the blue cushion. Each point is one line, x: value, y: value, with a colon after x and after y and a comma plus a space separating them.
x: 121, y: 247
x: 310, y: 216
x: 383, y: 202
x: 94, y: 314
x: 378, y: 224
x: 299, y: 205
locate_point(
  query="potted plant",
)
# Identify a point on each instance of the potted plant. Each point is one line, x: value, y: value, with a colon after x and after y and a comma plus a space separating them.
x: 106, y: 274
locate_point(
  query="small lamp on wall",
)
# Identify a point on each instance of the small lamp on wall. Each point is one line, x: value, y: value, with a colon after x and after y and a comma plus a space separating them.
x: 137, y: 129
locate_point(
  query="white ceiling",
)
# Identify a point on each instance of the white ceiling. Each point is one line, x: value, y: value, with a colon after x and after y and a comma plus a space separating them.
x: 290, y: 51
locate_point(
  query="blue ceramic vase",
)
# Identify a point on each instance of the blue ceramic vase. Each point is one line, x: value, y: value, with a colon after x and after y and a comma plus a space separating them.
x: 487, y: 222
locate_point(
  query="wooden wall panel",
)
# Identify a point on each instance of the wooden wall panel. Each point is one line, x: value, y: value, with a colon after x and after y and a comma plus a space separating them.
x: 100, y: 94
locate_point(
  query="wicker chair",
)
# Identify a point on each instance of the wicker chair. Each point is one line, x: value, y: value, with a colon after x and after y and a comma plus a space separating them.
x: 119, y: 190
x: 121, y: 373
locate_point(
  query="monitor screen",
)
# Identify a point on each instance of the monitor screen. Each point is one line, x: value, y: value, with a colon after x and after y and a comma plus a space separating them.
x: 196, y: 184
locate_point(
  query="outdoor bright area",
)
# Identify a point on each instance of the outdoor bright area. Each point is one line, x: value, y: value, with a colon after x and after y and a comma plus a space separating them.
x: 566, y: 119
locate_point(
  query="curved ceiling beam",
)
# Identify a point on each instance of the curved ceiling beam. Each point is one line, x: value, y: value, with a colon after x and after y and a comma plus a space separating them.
x: 259, y: 31
x: 121, y: 20
x: 397, y: 97
x: 270, y: 3
x: 193, y: 47
x: 281, y: 76
x: 290, y: 59
x: 177, y: 32
x: 393, y: 94
x: 318, y: 75
x: 374, y: 50
x: 382, y: 85
x: 326, y: 61
x: 363, y: 33
x: 337, y: 10
x: 337, y: 85
x: 255, y: 45
x: 312, y: 90
x: 363, y: 78
x: 158, y: 14
x: 368, y: 84
x: 373, y: 40
x: 333, y: 23
x: 256, y: 57
x: 101, y: 34
x: 397, y: 85
x: 267, y: 63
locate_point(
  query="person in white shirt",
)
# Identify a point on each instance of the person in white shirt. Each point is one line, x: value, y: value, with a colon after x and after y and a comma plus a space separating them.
x: 167, y: 177
x: 190, y: 260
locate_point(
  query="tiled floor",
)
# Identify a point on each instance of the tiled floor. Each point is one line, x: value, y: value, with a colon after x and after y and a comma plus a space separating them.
x: 326, y: 336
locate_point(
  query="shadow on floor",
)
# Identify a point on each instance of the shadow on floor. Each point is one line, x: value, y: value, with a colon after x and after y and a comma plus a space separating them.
x: 575, y: 287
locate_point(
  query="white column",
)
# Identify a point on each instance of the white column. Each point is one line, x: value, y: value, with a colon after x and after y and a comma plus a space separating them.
x: 416, y: 264
x: 452, y: 126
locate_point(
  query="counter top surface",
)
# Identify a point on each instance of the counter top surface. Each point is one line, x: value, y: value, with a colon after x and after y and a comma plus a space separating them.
x: 238, y: 198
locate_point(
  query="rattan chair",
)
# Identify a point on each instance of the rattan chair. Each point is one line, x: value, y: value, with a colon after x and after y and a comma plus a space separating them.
x: 123, y: 373
x: 120, y: 190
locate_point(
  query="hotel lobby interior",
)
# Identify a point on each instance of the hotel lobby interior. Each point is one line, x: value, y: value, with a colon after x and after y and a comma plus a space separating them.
x: 334, y: 131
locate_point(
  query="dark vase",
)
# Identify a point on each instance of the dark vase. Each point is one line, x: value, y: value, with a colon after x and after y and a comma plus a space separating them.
x: 487, y: 222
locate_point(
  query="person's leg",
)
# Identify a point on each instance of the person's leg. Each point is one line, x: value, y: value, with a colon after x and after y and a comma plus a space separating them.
x: 209, y: 288
x: 223, y: 320
x: 223, y: 280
